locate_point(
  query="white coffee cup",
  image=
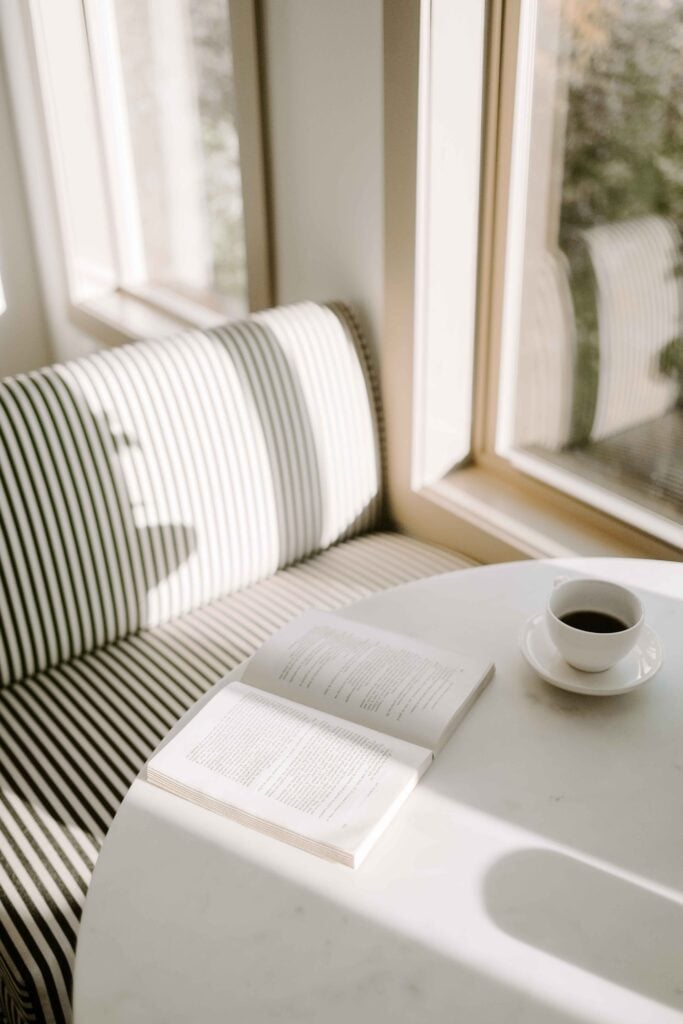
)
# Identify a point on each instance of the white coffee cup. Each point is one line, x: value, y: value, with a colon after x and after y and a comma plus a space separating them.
x: 584, y: 649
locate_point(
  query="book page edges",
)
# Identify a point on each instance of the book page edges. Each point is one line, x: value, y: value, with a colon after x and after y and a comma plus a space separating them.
x: 327, y: 851
x: 464, y: 708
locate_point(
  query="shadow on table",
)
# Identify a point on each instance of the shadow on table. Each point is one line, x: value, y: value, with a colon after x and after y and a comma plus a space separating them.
x: 603, y: 776
x: 591, y: 918
x: 216, y: 936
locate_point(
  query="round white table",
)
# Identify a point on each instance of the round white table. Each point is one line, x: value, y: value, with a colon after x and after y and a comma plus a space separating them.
x: 534, y: 876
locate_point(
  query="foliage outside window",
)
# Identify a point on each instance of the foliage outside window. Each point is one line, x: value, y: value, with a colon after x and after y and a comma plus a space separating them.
x: 599, y: 365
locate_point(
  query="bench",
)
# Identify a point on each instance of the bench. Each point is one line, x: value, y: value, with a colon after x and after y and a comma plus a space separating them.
x: 165, y: 505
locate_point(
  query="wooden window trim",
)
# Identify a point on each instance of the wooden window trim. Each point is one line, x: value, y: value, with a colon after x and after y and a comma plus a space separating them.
x: 127, y: 312
x: 488, y: 510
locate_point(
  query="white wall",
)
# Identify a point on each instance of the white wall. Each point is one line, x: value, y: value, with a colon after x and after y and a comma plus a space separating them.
x: 24, y: 338
x: 324, y: 97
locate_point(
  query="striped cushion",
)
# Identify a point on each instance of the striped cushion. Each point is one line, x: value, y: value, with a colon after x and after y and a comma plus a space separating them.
x: 141, y: 482
x: 75, y: 736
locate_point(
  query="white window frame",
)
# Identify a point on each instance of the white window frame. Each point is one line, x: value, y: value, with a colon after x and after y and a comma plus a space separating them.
x: 134, y: 307
x: 488, y: 508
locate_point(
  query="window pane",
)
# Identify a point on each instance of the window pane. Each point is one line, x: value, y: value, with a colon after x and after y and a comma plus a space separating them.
x: 176, y: 61
x: 593, y: 346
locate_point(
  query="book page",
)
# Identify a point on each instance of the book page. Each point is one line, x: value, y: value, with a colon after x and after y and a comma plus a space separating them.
x: 289, y: 768
x: 369, y: 676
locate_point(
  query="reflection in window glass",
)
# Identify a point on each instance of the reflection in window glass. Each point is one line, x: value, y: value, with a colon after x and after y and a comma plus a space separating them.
x: 177, y: 69
x: 599, y: 354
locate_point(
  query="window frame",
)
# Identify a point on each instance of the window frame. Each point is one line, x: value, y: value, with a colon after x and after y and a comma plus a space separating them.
x: 133, y: 308
x: 488, y: 508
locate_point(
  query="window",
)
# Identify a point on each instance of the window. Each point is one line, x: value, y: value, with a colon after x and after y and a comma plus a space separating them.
x: 557, y: 367
x: 591, y: 373
x: 170, y: 77
x: 140, y: 103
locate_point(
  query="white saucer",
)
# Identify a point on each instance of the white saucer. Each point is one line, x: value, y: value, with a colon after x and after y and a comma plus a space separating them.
x: 632, y: 671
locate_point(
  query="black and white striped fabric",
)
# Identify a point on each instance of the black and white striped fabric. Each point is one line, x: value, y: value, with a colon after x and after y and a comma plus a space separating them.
x: 74, y: 737
x: 164, y: 506
x: 141, y: 482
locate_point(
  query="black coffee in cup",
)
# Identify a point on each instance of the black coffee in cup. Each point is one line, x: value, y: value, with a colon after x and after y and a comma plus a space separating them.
x: 593, y: 622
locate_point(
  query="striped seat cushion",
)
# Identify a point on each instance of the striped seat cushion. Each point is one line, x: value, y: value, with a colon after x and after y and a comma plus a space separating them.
x: 140, y: 482
x: 75, y: 736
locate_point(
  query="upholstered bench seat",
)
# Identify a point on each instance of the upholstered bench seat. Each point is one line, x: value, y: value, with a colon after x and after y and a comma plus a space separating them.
x: 164, y: 506
x: 75, y: 736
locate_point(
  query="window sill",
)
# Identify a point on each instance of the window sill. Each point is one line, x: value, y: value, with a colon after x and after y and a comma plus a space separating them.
x: 495, y: 516
x: 119, y: 316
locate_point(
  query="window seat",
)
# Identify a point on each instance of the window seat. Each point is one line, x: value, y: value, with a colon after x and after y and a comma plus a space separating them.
x: 166, y: 506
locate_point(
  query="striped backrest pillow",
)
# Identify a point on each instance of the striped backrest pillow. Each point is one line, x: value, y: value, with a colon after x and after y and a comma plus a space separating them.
x: 145, y: 480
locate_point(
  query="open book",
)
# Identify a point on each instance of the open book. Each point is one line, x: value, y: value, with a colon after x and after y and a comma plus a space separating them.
x: 328, y: 732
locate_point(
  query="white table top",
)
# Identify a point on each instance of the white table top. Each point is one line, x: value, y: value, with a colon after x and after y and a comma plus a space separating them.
x: 535, y: 875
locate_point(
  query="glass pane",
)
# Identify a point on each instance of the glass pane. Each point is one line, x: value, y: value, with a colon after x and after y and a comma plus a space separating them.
x: 176, y: 60
x: 593, y: 337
